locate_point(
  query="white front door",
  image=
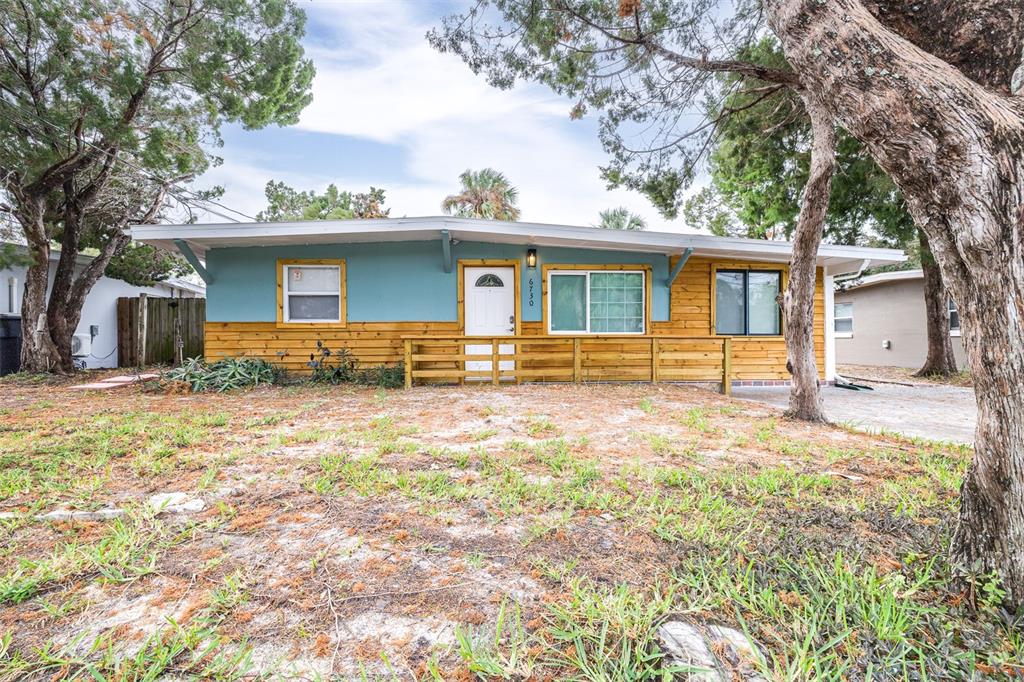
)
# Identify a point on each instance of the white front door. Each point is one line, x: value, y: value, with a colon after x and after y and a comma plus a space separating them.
x: 490, y: 311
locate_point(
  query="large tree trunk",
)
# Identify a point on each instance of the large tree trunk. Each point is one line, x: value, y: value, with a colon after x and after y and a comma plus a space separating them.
x: 956, y: 151
x: 798, y: 301
x: 65, y: 311
x: 61, y: 328
x: 940, y: 360
x: 38, y: 353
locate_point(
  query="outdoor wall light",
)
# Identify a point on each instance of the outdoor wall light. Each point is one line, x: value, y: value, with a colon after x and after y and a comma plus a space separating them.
x: 531, y: 258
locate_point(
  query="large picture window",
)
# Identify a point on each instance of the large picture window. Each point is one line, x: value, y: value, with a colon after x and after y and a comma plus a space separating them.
x: 312, y: 292
x: 596, y: 302
x: 745, y: 302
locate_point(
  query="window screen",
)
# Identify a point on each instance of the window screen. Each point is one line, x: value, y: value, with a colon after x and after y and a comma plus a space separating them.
x: 312, y: 293
x: 844, y: 318
x: 730, y: 303
x: 568, y: 303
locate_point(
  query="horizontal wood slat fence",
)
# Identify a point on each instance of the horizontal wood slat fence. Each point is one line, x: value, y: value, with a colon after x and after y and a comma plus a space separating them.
x: 442, y: 359
x: 153, y: 330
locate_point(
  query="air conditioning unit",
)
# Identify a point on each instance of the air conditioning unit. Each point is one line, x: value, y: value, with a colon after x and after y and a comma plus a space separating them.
x: 81, y: 345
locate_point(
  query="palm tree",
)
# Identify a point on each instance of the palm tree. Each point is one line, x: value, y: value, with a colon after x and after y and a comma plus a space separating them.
x: 485, y: 194
x: 621, y: 219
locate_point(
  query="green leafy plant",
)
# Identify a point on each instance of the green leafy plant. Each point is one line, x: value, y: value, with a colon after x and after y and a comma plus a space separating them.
x: 225, y: 375
x: 340, y: 367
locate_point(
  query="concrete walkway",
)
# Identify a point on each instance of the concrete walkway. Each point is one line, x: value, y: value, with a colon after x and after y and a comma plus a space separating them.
x: 934, y: 412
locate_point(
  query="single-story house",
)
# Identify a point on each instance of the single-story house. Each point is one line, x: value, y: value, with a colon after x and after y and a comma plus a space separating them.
x: 97, y: 330
x: 881, y: 320
x: 460, y: 299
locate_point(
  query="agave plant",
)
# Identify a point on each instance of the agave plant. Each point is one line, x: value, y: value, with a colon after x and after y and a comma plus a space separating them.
x: 224, y: 375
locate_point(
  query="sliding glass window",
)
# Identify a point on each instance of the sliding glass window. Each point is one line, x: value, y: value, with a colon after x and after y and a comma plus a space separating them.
x: 746, y: 302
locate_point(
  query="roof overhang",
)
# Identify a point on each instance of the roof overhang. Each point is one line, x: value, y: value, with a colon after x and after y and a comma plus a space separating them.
x: 884, y: 278
x: 201, y: 238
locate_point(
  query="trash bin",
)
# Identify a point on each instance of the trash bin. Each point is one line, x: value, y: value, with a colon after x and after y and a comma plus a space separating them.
x: 10, y: 344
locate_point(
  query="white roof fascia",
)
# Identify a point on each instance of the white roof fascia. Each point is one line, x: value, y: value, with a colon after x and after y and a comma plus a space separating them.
x: 883, y: 277
x: 838, y: 259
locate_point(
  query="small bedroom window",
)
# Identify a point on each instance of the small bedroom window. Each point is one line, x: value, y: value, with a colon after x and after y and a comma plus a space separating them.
x: 844, y: 320
x: 954, y: 319
x: 312, y: 292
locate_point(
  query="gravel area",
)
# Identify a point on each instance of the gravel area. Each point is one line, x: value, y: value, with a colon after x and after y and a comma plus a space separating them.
x: 935, y: 412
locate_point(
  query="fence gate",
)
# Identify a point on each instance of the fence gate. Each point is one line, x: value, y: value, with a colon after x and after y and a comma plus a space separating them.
x: 149, y: 323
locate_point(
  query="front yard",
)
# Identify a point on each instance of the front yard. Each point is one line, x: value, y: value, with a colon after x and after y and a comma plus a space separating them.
x: 534, y: 532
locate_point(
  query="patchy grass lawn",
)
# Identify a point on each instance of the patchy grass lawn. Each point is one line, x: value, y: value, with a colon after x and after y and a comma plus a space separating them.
x: 535, y: 532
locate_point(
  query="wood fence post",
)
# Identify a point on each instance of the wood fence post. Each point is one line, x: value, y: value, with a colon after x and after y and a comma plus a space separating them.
x: 141, y: 331
x: 727, y: 366
x: 577, y: 362
x: 408, y: 363
x: 655, y: 352
x: 495, y: 370
x: 460, y: 349
x: 179, y: 342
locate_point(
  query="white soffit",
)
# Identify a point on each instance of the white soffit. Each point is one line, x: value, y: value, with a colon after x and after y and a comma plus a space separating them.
x: 201, y: 238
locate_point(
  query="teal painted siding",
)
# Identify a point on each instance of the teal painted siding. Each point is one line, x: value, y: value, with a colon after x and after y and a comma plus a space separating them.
x: 395, y: 281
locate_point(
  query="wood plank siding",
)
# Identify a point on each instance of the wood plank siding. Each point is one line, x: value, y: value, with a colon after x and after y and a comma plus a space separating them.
x: 686, y: 343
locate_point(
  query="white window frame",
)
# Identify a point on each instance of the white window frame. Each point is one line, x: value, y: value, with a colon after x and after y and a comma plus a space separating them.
x: 11, y: 295
x: 835, y: 318
x: 286, y: 293
x: 952, y: 307
x: 586, y: 301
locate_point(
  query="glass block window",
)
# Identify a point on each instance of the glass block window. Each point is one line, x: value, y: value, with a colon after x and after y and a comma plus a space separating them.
x: 746, y: 302
x: 311, y: 293
x: 596, y: 302
x: 617, y: 302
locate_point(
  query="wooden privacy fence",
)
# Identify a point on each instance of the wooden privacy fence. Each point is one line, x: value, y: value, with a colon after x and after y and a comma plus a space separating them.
x: 569, y: 358
x: 146, y: 329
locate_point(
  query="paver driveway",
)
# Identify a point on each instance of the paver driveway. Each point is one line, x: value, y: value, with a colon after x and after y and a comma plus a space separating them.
x: 935, y: 412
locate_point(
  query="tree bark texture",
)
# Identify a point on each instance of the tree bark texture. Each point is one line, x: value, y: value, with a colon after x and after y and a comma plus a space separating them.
x: 983, y: 39
x: 956, y: 151
x: 798, y: 300
x: 38, y: 352
x: 940, y: 360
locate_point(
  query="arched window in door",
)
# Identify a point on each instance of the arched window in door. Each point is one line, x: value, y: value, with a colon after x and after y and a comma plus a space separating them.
x: 489, y: 280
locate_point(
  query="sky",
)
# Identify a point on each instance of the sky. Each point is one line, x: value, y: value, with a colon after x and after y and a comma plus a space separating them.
x: 390, y: 111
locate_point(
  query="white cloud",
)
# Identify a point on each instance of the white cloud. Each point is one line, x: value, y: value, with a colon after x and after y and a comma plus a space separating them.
x: 378, y: 79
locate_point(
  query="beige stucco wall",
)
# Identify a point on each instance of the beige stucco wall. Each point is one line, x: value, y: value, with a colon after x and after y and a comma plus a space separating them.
x: 893, y: 311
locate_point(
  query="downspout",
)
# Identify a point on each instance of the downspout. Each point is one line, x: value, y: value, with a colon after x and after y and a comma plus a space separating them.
x: 841, y: 381
x: 864, y: 264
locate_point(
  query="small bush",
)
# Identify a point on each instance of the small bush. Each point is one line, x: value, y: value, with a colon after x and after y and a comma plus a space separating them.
x: 339, y: 367
x: 224, y: 375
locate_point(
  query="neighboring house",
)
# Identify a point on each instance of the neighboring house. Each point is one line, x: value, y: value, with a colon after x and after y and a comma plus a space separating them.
x: 98, y: 325
x: 880, y: 320
x: 580, y: 303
